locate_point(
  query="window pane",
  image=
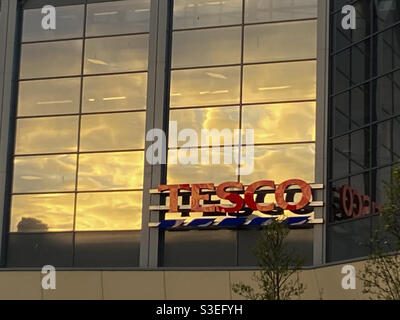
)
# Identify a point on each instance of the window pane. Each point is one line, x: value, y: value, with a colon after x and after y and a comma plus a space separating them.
x: 47, y: 135
x: 201, y: 173
x: 44, y: 173
x: 274, y: 10
x: 61, y: 58
x: 117, y: 131
x: 280, y: 122
x: 107, y: 171
x: 279, y: 82
x: 202, y: 13
x: 117, y: 54
x: 293, y: 40
x: 118, y: 17
x: 42, y: 213
x: 223, y: 118
x: 340, y: 105
x: 109, y: 211
x: 340, y: 157
x: 223, y: 47
x: 204, y: 87
x: 46, y: 97
x: 69, y: 24
x: 114, y: 93
x: 387, y: 143
x: 360, y: 150
x: 282, y: 162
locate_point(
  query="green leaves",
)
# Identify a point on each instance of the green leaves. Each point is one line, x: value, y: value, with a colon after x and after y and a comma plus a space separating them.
x: 278, y: 278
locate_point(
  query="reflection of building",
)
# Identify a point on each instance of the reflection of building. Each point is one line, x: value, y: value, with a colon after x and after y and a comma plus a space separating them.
x: 31, y: 225
x: 85, y: 94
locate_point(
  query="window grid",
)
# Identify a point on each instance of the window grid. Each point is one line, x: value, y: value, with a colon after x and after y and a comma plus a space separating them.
x: 242, y: 64
x: 77, y: 191
x: 372, y: 122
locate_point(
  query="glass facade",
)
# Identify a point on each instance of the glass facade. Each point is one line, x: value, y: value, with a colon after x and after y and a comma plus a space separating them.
x: 364, y: 122
x: 81, y: 112
x: 241, y: 65
x: 80, y: 126
x: 226, y: 74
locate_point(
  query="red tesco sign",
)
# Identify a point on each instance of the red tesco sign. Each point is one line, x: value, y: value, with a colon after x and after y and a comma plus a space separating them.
x: 235, y: 198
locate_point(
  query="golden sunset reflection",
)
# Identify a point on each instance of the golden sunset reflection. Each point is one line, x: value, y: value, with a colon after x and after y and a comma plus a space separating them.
x: 201, y: 172
x: 116, y: 54
x: 90, y: 161
x: 292, y: 40
x: 43, y: 212
x: 109, y: 211
x: 111, y: 171
x: 279, y: 82
x: 282, y: 162
x: 47, y: 135
x: 206, y: 118
x: 117, y: 131
x: 202, y: 13
x: 49, y: 59
x: 279, y: 123
x: 205, y: 87
x: 223, y: 47
x: 44, y: 97
x: 44, y: 173
x: 114, y: 92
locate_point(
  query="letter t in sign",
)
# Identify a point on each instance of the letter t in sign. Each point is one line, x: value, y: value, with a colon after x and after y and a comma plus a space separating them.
x: 173, y: 194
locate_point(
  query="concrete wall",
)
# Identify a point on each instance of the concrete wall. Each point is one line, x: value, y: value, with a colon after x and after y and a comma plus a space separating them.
x: 321, y: 283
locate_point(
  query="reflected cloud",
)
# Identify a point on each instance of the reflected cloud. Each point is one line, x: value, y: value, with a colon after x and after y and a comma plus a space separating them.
x: 291, y: 40
x: 116, y: 54
x: 117, y: 17
x: 298, y: 77
x: 278, y: 123
x: 205, y: 118
x: 282, y: 162
x: 202, y: 13
x: 112, y: 131
x: 44, y: 173
x: 187, y: 86
x: 98, y: 91
x: 223, y: 47
x: 275, y: 10
x: 47, y: 135
x: 202, y: 172
x: 109, y: 211
x: 48, y: 212
x: 110, y: 171
x: 39, y: 60
x: 46, y: 97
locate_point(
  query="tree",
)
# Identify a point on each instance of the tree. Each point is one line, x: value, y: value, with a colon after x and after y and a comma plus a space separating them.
x: 381, y: 272
x: 278, y: 278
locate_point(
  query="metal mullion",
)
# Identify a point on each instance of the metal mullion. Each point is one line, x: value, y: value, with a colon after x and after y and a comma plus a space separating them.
x: 373, y: 34
x: 77, y: 152
x: 90, y: 37
x: 84, y: 75
x: 364, y: 171
x: 9, y: 81
x: 243, y: 24
x: 241, y: 95
x: 242, y: 63
x: 244, y: 104
x: 82, y: 113
x: 79, y: 132
x: 288, y: 143
x: 76, y: 192
x: 374, y: 78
